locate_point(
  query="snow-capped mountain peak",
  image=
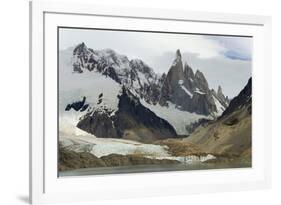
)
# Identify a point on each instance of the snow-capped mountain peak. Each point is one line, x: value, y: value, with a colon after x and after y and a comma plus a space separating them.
x: 80, y: 49
x: 192, y: 94
x: 134, y: 74
x: 189, y: 91
x: 101, y: 75
x: 178, y: 54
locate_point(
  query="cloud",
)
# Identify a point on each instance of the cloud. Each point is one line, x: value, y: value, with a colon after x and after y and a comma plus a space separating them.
x: 141, y: 44
x: 235, y: 47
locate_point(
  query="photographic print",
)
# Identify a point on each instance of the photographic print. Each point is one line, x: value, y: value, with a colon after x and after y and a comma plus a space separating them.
x: 143, y: 101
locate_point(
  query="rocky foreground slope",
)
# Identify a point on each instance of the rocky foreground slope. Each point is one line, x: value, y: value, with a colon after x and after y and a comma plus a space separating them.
x: 69, y: 160
x: 231, y: 134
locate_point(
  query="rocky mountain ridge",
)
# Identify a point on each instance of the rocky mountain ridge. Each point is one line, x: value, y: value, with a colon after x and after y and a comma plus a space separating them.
x: 191, y: 91
x: 180, y: 86
x: 131, y: 121
x: 133, y: 74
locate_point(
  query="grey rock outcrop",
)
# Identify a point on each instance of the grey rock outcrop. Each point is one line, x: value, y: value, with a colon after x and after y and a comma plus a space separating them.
x: 131, y: 121
x: 188, y: 91
x: 244, y: 99
x: 78, y: 106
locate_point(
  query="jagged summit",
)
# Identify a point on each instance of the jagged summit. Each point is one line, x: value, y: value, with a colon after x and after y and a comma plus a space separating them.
x: 222, y: 97
x: 219, y: 92
x: 198, y: 73
x: 178, y: 53
x: 201, y: 82
x: 177, y: 63
x: 134, y: 74
x: 80, y: 48
x: 189, y: 91
x: 188, y: 72
x: 177, y: 67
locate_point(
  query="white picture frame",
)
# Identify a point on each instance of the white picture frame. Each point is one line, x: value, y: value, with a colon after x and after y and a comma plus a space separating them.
x: 46, y: 187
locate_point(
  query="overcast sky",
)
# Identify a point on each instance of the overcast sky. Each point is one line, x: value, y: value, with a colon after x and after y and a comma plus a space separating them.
x: 224, y: 60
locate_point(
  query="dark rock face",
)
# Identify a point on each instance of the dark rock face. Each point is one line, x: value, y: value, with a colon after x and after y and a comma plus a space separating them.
x: 189, y: 77
x: 170, y: 90
x: 132, y: 114
x: 189, y: 91
x: 110, y: 72
x: 203, y: 104
x: 201, y: 82
x: 243, y: 99
x: 78, y: 106
x: 99, y: 123
x: 85, y: 106
x: 131, y: 117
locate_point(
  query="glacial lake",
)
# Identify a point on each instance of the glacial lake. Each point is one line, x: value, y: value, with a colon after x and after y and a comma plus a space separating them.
x: 151, y: 168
